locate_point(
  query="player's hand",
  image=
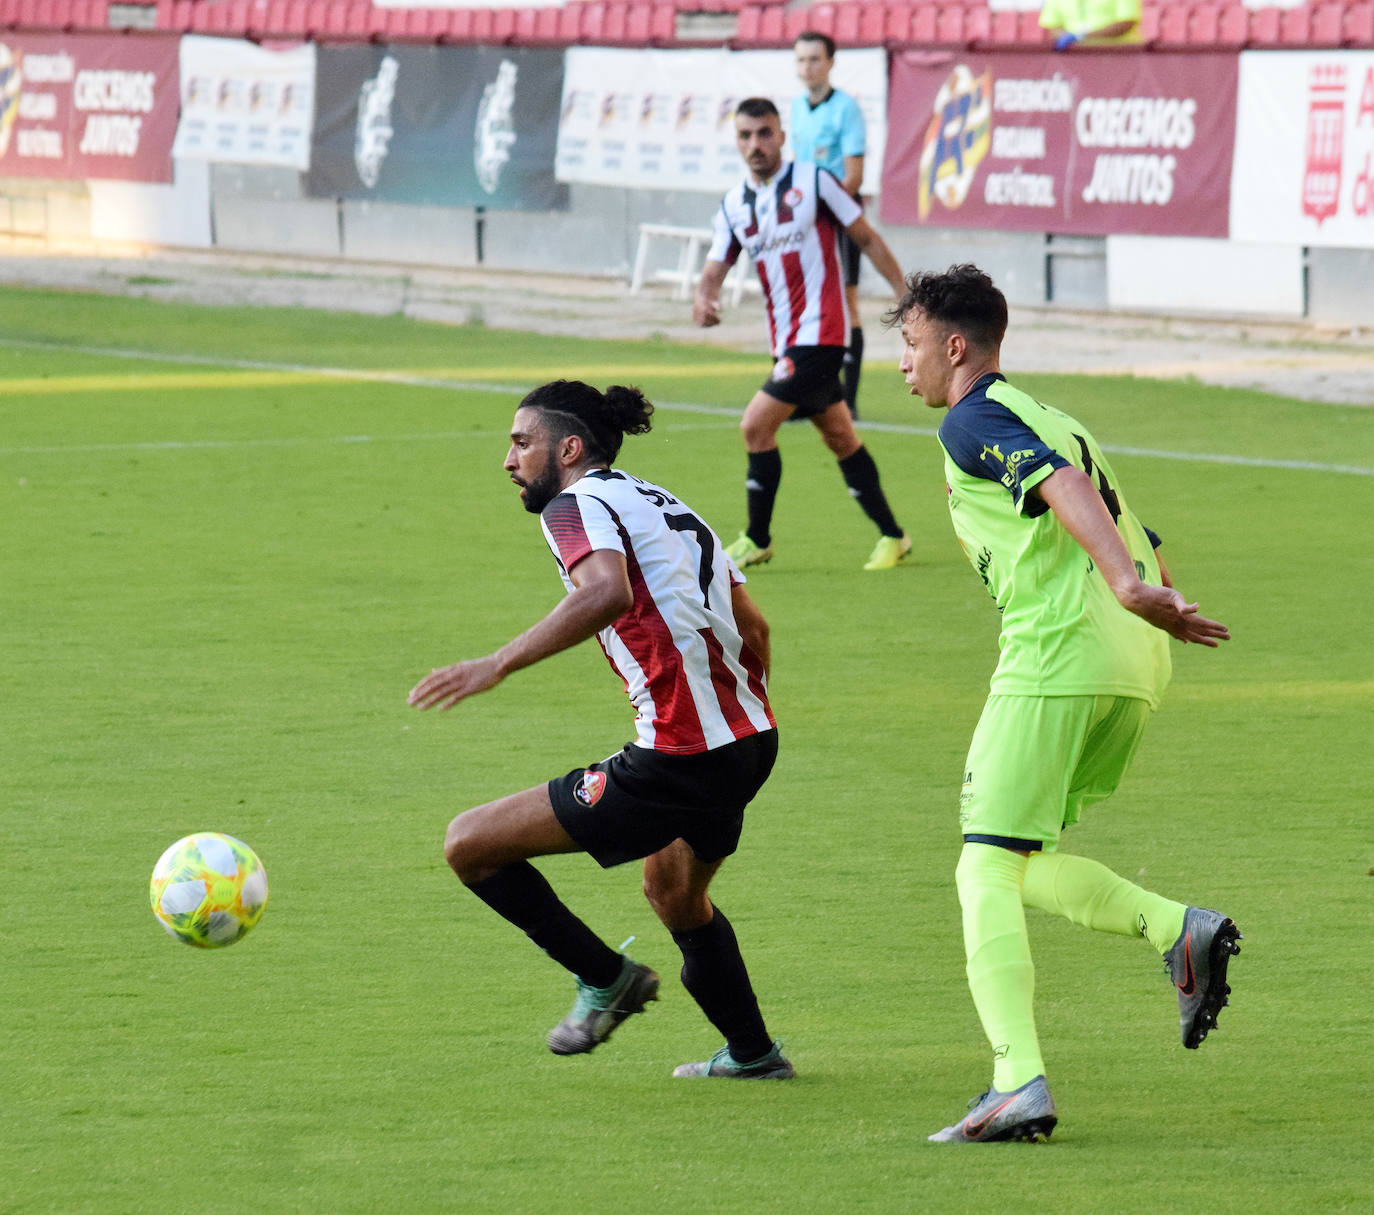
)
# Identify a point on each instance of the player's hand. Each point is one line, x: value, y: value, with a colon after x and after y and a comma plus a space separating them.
x: 444, y: 687
x: 1166, y: 609
x: 705, y: 312
x: 1064, y: 41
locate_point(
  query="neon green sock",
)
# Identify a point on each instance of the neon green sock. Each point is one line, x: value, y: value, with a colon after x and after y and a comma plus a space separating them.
x: 1001, y: 975
x: 1092, y: 895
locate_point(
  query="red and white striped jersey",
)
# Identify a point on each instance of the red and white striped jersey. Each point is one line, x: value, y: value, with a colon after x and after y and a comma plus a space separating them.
x: 693, y: 681
x: 788, y: 227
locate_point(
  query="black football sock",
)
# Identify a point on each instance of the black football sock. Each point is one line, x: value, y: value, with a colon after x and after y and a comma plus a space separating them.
x: 761, y: 489
x: 713, y: 973
x: 861, y: 475
x: 853, y: 366
x: 521, y: 895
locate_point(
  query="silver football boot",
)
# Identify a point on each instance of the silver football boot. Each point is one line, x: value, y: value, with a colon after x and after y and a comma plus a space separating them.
x: 1027, y: 1113
x: 1197, y: 965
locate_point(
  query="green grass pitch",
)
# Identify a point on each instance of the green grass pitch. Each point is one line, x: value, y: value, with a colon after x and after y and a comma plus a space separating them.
x: 222, y: 570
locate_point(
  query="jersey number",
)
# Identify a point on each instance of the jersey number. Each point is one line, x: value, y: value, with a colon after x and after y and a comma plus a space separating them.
x: 705, y: 542
x: 1109, y: 498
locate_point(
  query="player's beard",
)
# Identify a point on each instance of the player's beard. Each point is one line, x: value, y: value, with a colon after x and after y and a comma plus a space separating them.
x: 542, y: 490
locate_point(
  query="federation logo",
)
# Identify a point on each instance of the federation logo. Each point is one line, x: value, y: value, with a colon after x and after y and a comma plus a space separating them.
x: 590, y: 787
x: 957, y: 139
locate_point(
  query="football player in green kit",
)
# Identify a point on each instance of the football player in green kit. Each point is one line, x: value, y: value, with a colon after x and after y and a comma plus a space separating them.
x: 1087, y: 610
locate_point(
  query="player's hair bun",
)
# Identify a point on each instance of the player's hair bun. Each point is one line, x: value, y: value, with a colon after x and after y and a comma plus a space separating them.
x: 628, y: 409
x: 602, y: 419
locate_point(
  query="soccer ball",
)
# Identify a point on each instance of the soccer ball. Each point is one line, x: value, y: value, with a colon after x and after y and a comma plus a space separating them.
x: 208, y: 889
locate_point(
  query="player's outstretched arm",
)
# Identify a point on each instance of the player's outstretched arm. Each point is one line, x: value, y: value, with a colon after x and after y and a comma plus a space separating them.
x: 1073, y: 497
x: 601, y: 595
x: 875, y: 249
x: 752, y: 626
x: 706, y: 302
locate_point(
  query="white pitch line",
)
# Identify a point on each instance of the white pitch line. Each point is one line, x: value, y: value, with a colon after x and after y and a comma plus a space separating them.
x: 414, y: 381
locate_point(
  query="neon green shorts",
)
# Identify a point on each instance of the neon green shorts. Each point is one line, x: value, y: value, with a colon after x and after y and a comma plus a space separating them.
x: 1036, y: 761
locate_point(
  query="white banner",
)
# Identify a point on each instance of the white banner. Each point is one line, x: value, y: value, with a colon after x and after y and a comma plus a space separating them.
x: 246, y: 105
x: 664, y: 120
x: 1304, y: 159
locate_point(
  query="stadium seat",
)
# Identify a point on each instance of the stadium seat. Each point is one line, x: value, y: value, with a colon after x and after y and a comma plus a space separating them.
x: 1326, y: 24
x: 1357, y: 26
x: 977, y: 22
x: 90, y: 15
x: 663, y: 25
x: 747, y: 28
x: 818, y: 17
x: 182, y: 13
x: 1233, y: 25
x: 1264, y: 27
x: 872, y: 29
x: 949, y: 25
x: 1171, y: 27
x: 1295, y: 26
x: 9, y: 13
x: 1004, y: 27
x: 1030, y: 32
x: 466, y: 27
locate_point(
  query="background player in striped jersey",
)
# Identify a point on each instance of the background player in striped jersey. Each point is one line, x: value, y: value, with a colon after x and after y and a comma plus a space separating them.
x: 787, y: 214
x: 1087, y: 611
x: 826, y: 126
x: 649, y: 579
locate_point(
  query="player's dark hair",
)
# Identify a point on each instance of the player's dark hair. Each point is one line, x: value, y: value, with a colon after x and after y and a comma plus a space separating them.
x: 962, y: 298
x: 600, y: 419
x: 816, y: 36
x: 758, y: 107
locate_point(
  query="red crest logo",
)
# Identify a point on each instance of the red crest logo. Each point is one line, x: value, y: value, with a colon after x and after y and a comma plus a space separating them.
x: 590, y: 787
x: 793, y: 197
x: 1321, y: 178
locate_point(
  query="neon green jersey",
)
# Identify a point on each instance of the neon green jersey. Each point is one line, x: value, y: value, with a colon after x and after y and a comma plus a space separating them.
x: 1063, y: 631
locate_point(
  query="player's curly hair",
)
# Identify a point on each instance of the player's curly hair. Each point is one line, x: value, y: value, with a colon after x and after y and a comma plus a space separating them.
x: 962, y: 298
x: 600, y: 419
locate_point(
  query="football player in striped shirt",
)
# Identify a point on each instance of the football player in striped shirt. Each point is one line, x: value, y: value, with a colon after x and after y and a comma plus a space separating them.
x: 787, y: 216
x: 648, y: 578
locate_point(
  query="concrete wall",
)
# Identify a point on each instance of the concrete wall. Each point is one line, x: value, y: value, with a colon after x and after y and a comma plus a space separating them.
x: 249, y: 209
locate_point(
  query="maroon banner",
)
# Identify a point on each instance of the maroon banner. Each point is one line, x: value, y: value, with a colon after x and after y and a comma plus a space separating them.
x: 1087, y: 144
x: 88, y: 106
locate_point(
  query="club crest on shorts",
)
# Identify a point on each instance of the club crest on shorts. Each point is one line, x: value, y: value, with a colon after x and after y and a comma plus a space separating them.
x: 784, y: 369
x: 590, y: 787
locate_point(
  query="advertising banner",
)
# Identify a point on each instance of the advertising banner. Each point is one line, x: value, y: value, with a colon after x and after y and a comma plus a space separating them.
x: 1090, y: 144
x: 1304, y: 167
x: 244, y: 104
x: 448, y: 126
x: 664, y: 120
x: 87, y: 106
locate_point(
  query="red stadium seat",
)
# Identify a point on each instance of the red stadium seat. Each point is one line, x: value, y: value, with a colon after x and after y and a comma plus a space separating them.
x: 9, y: 13
x: 977, y: 22
x: 1003, y: 28
x: 1295, y: 26
x: 925, y: 19
x: 663, y: 25
x: 1357, y: 27
x: 591, y: 23
x: 1233, y: 25
x: 1326, y: 24
x: 819, y: 17
x: 1030, y: 31
x: 1264, y: 27
x: 466, y: 27
x: 845, y: 28
x: 872, y: 29
x: 1170, y: 28
x: 949, y: 25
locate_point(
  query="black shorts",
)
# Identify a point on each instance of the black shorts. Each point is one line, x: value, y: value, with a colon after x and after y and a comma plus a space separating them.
x: 807, y: 377
x: 850, y: 255
x: 639, y: 801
